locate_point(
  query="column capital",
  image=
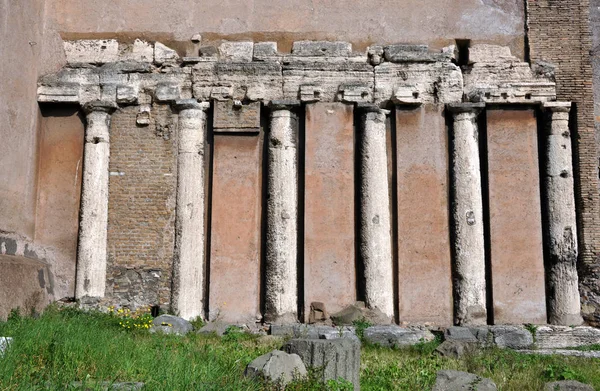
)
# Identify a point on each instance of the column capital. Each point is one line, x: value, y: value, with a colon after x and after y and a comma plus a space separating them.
x: 556, y: 107
x: 284, y: 104
x: 99, y: 106
x: 190, y: 104
x: 466, y: 107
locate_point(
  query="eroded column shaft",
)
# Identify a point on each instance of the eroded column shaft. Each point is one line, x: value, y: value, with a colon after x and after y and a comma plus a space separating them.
x: 375, y: 225
x: 564, y: 300
x: 467, y: 210
x: 281, y: 294
x: 188, y: 269
x: 93, y: 225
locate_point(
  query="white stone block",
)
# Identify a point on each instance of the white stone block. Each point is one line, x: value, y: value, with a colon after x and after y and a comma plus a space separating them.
x: 236, y: 51
x: 140, y: 51
x: 93, y: 51
x: 164, y: 54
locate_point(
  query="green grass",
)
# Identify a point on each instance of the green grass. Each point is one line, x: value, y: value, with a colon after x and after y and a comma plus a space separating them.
x: 67, y: 345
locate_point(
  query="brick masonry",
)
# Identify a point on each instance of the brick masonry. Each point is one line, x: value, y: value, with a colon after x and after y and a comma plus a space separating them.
x: 559, y: 33
x: 141, y: 214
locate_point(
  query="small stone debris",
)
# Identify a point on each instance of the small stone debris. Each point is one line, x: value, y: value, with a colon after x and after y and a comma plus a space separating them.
x: 277, y: 366
x: 170, y: 324
x: 462, y: 381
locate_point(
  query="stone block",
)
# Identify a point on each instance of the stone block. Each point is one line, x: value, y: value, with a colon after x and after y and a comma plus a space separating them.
x: 170, y: 324
x: 313, y: 331
x: 560, y: 337
x: 235, y: 115
x: 318, y: 313
x: 265, y: 51
x: 126, y: 95
x: 513, y: 337
x: 517, y: 256
x: 93, y: 51
x: 458, y: 381
x: 167, y: 93
x: 337, y: 359
x: 392, y: 335
x: 457, y: 333
x: 236, y: 51
x: 414, y: 53
x: 423, y: 230
x: 329, y: 263
x: 138, y: 51
x: 164, y: 54
x: 567, y: 385
x: 277, y: 366
x: 321, y: 48
x: 58, y: 94
x: 484, y: 53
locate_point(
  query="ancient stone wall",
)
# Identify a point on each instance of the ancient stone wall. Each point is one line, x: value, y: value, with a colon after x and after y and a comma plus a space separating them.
x: 559, y: 36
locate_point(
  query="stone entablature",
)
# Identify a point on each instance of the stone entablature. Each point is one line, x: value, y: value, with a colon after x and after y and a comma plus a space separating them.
x: 141, y: 73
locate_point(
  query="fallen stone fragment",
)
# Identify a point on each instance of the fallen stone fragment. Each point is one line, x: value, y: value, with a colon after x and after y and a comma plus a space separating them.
x: 567, y: 385
x: 5, y: 342
x: 457, y: 333
x: 456, y: 349
x: 557, y: 337
x: 170, y: 324
x: 318, y: 312
x: 563, y: 352
x: 106, y: 386
x: 164, y: 54
x: 392, y: 335
x: 462, y: 381
x: 348, y: 315
x: 313, y: 331
x: 277, y: 366
x: 337, y: 358
x: 513, y: 337
x: 217, y: 327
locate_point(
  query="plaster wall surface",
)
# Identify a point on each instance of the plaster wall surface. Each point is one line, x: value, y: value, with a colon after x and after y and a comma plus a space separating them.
x: 234, y: 280
x: 515, y: 217
x: 437, y: 22
x: 423, y: 225
x: 59, y: 184
x: 329, y: 215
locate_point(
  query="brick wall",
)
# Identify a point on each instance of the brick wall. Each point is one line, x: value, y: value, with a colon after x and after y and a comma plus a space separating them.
x: 558, y: 32
x: 141, y: 212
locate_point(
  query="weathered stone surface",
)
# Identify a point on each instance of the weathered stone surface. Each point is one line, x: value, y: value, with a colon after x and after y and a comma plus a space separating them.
x: 467, y: 217
x: 517, y: 259
x: 563, y: 352
x: 164, y: 54
x: 231, y: 115
x: 393, y: 335
x: 513, y: 337
x: 338, y: 358
x: 329, y: 256
x: 217, y: 327
x: 91, y: 51
x: 462, y: 381
x: 459, y: 334
x: 413, y: 53
x: 567, y: 385
x: 236, y: 51
x: 170, y: 324
x: 5, y: 343
x: 138, y: 51
x: 321, y: 48
x: 557, y: 337
x: 318, y: 313
x: 347, y: 315
x: 277, y: 366
x: 167, y: 93
x: 456, y: 349
x: 423, y: 229
x: 236, y: 235
x: 313, y: 331
x: 265, y: 51
x: 490, y: 53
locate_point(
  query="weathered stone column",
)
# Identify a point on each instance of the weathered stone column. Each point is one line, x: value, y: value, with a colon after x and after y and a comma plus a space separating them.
x: 188, y: 267
x: 375, y: 224
x: 281, y: 296
x: 93, y: 223
x: 467, y: 213
x: 561, y: 232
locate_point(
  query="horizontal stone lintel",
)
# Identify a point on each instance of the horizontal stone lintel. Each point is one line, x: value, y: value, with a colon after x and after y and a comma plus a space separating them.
x: 234, y: 131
